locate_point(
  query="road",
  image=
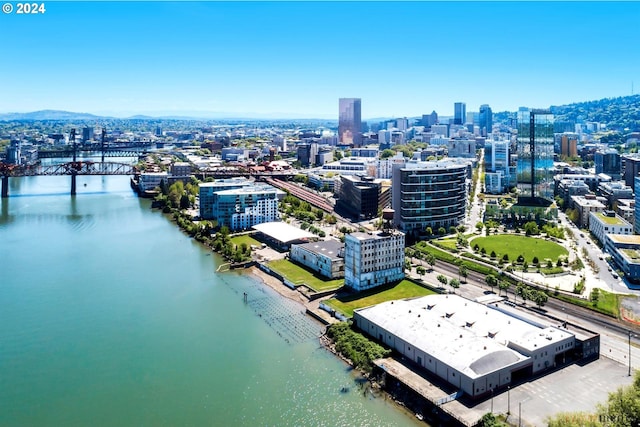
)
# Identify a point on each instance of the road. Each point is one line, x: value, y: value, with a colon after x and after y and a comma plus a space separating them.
x: 614, y: 334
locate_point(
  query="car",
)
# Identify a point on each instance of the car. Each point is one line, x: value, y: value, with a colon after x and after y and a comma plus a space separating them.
x: 615, y: 276
x: 600, y: 257
x: 581, y: 235
x: 588, y: 242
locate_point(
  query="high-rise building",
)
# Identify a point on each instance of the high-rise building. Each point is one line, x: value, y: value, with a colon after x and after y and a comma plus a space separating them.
x: 429, y: 120
x: 485, y: 120
x: 631, y: 170
x: 608, y: 163
x: 429, y: 194
x: 496, y: 159
x: 535, y: 153
x: 459, y: 113
x: 569, y: 145
x: 87, y: 134
x: 373, y: 259
x: 636, y: 224
x: 349, y: 121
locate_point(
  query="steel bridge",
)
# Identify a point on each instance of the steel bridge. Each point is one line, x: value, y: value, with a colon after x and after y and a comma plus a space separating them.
x: 107, y: 152
x: 71, y: 168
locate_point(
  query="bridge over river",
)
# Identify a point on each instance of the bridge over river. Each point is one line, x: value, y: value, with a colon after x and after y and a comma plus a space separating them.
x: 70, y: 168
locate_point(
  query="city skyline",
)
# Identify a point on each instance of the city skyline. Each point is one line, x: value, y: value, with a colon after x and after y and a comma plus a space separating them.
x: 260, y: 59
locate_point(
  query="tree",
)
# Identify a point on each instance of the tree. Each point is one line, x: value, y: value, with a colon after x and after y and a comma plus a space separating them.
x: 505, y: 257
x: 491, y: 280
x: 574, y: 419
x: 493, y: 254
x: 540, y: 298
x: 504, y: 285
x: 479, y: 226
x: 442, y: 279
x: 386, y: 153
x: 535, y: 260
x: 490, y: 420
x: 420, y: 270
x: 463, y: 272
x: 623, y: 406
x: 531, y: 229
x: 429, y: 231
x: 594, y: 296
x: 522, y: 291
x: 455, y: 284
x: 430, y: 259
x: 442, y: 231
x: 185, y: 203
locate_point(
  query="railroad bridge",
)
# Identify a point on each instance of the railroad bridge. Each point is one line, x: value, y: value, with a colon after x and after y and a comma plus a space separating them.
x: 70, y: 168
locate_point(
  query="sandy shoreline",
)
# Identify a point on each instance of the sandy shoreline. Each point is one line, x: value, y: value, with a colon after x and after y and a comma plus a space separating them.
x: 277, y: 285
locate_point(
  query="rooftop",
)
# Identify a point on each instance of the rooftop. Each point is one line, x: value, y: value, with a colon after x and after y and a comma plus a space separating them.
x: 471, y: 337
x: 611, y: 220
x: 627, y: 239
x: 330, y: 248
x: 283, y: 232
x: 632, y: 255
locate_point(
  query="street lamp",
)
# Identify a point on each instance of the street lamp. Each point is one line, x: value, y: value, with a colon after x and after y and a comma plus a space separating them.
x: 629, y: 352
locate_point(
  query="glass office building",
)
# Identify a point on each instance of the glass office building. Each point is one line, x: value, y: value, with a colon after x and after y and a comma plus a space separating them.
x: 535, y: 154
x: 350, y: 121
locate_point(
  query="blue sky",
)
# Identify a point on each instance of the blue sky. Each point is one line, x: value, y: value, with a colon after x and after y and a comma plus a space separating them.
x: 295, y: 59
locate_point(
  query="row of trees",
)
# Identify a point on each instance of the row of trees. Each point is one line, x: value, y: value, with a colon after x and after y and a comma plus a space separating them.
x: 355, y: 346
x: 223, y: 245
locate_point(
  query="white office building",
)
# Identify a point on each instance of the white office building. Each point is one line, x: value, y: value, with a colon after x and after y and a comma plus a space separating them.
x: 373, y: 259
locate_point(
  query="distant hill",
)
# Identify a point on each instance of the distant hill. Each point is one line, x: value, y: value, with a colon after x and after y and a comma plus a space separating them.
x: 49, y: 115
x: 621, y: 114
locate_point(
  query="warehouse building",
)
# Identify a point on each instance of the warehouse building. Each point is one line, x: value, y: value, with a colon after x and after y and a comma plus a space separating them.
x: 474, y: 347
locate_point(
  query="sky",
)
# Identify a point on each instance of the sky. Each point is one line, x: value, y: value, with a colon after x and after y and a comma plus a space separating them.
x: 294, y: 59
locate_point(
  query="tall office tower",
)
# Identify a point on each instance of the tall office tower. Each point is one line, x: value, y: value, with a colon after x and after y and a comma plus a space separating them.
x: 569, y: 145
x: 631, y: 170
x: 485, y: 119
x: 349, y: 121
x: 87, y: 134
x: 608, y: 162
x: 535, y: 153
x: 459, y: 113
x: 496, y: 159
x: 429, y: 120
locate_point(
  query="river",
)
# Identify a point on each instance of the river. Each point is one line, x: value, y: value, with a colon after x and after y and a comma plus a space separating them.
x: 111, y: 316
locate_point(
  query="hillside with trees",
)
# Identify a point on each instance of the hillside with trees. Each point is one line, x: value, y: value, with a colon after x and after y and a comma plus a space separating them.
x: 620, y: 114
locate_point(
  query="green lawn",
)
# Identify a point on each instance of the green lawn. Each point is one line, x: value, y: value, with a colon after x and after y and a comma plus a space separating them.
x: 245, y: 238
x: 451, y: 244
x: 514, y: 246
x: 404, y: 289
x: 608, y: 303
x: 299, y: 275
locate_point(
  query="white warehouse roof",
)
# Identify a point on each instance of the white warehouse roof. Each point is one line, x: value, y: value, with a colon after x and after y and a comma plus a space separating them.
x: 470, y: 337
x: 283, y: 232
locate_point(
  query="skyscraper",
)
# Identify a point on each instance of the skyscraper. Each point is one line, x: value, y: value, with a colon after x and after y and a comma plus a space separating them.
x: 535, y: 153
x: 459, y: 113
x: 485, y: 120
x: 349, y: 121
